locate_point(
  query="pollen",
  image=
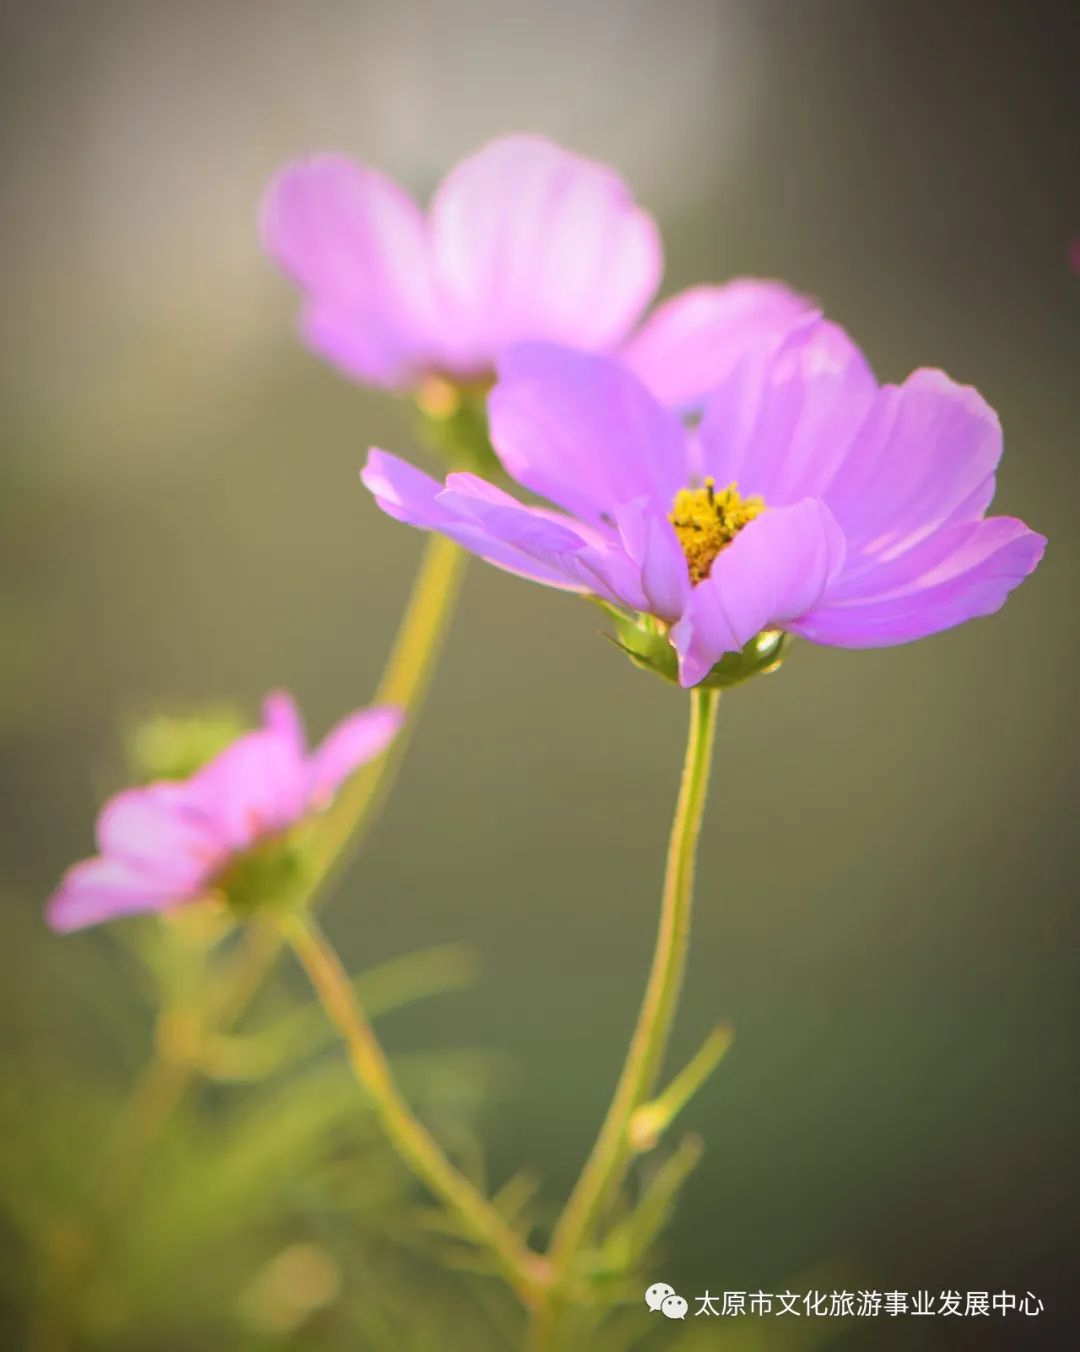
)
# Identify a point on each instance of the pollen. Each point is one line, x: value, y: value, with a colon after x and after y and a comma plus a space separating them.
x: 707, y: 521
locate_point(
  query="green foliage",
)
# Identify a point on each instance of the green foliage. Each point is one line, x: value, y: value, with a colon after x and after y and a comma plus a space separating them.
x: 190, y: 1163
x: 173, y: 746
x: 263, y: 1211
x: 255, y: 1206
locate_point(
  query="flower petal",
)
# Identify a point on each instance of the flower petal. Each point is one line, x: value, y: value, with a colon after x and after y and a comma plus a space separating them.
x: 582, y: 430
x: 365, y: 346
x: 925, y: 458
x: 357, y: 246
x: 161, y: 831
x: 508, y: 533
x: 282, y: 717
x: 403, y: 491
x: 783, y: 420
x: 776, y: 569
x: 408, y: 495
x: 607, y: 571
x: 689, y: 344
x: 576, y: 555
x: 964, y: 572
x: 531, y: 241
x: 650, y: 541
x: 254, y: 788
x: 103, y: 889
x: 356, y: 739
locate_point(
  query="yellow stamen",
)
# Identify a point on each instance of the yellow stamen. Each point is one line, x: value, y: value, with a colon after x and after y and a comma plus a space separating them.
x: 707, y: 521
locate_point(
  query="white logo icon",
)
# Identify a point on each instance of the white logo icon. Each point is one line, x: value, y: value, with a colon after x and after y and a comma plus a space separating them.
x: 674, y: 1307
x: 664, y: 1298
x: 657, y: 1294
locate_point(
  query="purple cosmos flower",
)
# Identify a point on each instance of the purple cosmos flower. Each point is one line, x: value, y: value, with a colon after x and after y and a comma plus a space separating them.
x: 523, y: 240
x: 178, y: 840
x: 810, y: 499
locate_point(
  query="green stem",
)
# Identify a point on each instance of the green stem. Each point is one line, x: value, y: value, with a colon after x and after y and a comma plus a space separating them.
x: 525, y: 1270
x: 405, y: 681
x: 649, y: 1121
x: 606, y: 1165
x: 156, y: 1095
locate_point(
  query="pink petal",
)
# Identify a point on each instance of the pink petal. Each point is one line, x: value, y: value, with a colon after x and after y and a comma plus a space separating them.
x: 532, y: 541
x: 650, y: 541
x: 689, y: 344
x: 356, y: 739
x: 783, y: 420
x: 965, y: 572
x: 415, y: 498
x: 103, y: 889
x: 161, y: 831
x: 403, y: 491
x: 365, y: 346
x: 776, y: 569
x: 611, y: 574
x: 255, y: 787
x: 579, y: 556
x: 282, y: 718
x: 582, y: 430
x: 541, y: 544
x: 532, y: 242
x: 356, y: 245
x: 925, y: 458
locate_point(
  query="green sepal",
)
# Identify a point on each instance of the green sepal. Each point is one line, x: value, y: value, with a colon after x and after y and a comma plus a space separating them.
x: 274, y: 875
x: 645, y: 641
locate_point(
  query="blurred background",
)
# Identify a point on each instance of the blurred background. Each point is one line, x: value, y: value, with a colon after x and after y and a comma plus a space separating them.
x: 888, y: 873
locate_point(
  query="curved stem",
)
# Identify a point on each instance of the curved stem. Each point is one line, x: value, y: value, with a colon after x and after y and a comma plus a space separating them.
x: 156, y: 1095
x: 239, y: 979
x: 405, y: 681
x: 605, y: 1167
x: 525, y: 1270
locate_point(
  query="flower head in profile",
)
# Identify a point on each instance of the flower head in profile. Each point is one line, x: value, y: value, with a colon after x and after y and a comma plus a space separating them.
x: 228, y: 830
x: 809, y: 499
x: 523, y: 240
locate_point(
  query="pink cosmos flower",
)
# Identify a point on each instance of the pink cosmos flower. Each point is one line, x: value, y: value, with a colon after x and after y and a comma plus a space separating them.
x: 523, y: 240
x: 178, y: 840
x: 810, y: 499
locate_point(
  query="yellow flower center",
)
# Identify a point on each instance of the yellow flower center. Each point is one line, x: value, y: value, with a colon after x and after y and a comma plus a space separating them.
x: 707, y: 521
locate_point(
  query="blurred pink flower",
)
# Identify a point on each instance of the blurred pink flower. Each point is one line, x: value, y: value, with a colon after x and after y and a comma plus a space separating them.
x: 523, y: 240
x: 176, y: 840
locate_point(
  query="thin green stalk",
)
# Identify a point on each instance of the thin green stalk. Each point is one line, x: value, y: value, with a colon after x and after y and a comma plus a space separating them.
x: 404, y: 683
x: 525, y: 1270
x: 606, y: 1165
x: 153, y: 1101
